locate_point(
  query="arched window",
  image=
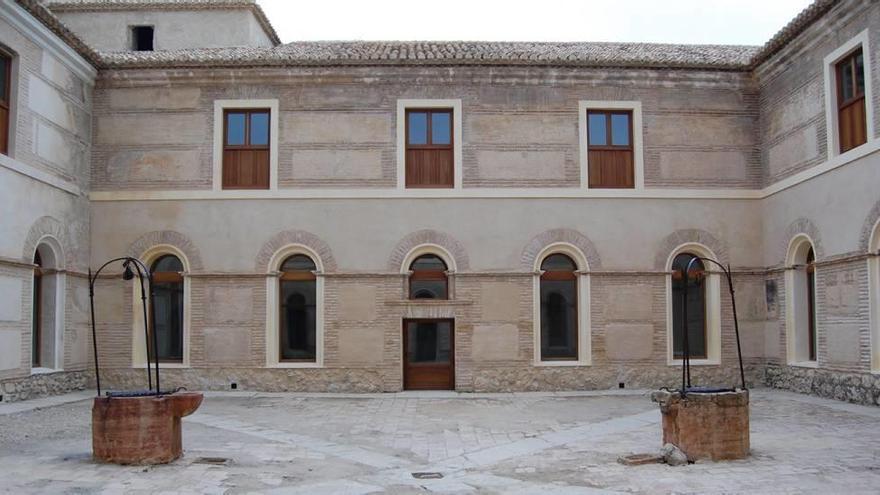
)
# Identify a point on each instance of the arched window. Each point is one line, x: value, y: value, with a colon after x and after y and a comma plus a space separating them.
x: 168, y: 307
x: 800, y: 293
x: 297, y: 306
x: 428, y: 279
x: 36, y: 360
x: 559, y: 302
x: 811, y: 303
x: 696, y: 307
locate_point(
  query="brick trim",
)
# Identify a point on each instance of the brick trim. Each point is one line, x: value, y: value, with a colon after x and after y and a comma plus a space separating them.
x: 172, y: 238
x: 47, y: 226
x: 428, y: 236
x: 688, y: 236
x: 801, y: 226
x: 868, y: 227
x: 553, y: 236
x: 287, y: 237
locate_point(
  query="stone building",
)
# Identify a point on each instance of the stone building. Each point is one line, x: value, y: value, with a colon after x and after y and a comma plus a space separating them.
x: 379, y: 216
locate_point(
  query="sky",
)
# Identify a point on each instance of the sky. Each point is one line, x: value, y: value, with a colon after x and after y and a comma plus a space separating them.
x: 739, y: 22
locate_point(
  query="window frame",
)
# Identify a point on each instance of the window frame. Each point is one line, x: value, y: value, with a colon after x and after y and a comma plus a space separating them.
x: 273, y: 305
x: 712, y: 288
x: 703, y: 273
x: 584, y: 312
x: 429, y: 145
x: 561, y: 276
x: 799, y: 287
x: 247, y: 146
x: 170, y: 277
x: 857, y: 97
x: 415, y: 275
x: 455, y: 137
x: 296, y: 276
x: 220, y: 138
x: 832, y: 92
x: 636, y: 141
x: 6, y: 59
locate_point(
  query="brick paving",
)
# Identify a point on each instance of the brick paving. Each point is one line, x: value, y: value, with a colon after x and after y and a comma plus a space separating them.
x: 479, y: 443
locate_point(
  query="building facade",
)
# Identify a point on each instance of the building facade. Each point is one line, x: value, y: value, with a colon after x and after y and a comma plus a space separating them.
x: 380, y: 216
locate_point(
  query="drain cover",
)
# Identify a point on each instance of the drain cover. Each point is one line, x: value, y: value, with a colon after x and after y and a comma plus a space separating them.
x: 212, y: 460
x: 427, y: 476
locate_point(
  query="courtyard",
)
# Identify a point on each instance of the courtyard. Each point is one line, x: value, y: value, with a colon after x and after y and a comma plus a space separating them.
x: 443, y: 442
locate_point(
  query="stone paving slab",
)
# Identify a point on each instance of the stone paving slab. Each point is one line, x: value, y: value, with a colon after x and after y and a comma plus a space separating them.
x: 487, y: 443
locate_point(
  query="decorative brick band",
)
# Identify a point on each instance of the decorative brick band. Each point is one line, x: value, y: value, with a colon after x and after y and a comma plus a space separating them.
x: 427, y: 236
x: 569, y: 236
x: 47, y: 227
x: 288, y: 237
x: 802, y: 226
x: 172, y: 238
x: 868, y: 227
x: 685, y: 236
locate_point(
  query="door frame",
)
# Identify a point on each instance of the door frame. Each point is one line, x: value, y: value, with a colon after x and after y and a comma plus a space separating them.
x: 405, y: 342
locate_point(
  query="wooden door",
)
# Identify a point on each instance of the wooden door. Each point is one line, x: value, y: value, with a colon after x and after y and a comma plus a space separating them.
x: 428, y: 355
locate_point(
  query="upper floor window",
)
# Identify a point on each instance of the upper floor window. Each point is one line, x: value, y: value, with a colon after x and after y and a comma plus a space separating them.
x: 246, y: 149
x: 5, y: 100
x: 142, y: 38
x: 430, y: 157
x: 610, y: 149
x: 851, y: 118
x: 428, y: 279
x: 168, y: 307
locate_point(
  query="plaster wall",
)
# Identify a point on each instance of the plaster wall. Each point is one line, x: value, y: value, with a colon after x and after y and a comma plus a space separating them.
x: 173, y: 30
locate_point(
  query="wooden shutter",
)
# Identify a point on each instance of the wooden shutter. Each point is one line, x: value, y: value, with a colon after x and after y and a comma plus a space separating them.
x: 430, y: 164
x: 851, y: 117
x: 611, y: 165
x: 5, y: 104
x: 245, y: 163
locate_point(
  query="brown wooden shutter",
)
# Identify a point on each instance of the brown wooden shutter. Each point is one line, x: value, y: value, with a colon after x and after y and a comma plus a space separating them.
x: 246, y: 163
x: 429, y: 163
x: 851, y: 116
x: 611, y: 165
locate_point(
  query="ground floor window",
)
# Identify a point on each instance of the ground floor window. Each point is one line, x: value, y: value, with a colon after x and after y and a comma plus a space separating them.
x: 168, y: 307
x: 695, y: 303
x: 298, y: 309
x: 559, y: 308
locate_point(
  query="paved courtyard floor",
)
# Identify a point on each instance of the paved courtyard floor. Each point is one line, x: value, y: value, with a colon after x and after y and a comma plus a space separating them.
x: 480, y: 443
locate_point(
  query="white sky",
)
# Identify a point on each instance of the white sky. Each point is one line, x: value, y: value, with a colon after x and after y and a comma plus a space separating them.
x: 749, y: 22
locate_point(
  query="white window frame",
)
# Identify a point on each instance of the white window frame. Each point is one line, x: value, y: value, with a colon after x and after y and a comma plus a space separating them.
x: 402, y: 106
x: 585, y: 346
x: 272, y: 302
x: 60, y: 302
x: 794, y: 267
x: 274, y: 138
x: 638, y: 151
x: 138, y: 346
x: 713, y: 307
x: 830, y: 63
x: 874, y: 296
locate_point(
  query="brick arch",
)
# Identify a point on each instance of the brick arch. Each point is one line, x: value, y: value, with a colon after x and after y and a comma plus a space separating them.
x: 868, y: 227
x: 172, y: 238
x: 287, y: 237
x: 685, y: 236
x: 428, y: 236
x: 801, y: 226
x: 553, y: 236
x: 47, y: 227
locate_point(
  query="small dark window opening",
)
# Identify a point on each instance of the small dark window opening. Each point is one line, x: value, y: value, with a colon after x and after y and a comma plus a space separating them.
x: 142, y: 38
x: 5, y: 101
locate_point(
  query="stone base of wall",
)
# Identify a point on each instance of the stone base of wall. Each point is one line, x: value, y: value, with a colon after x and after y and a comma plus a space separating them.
x: 553, y: 378
x: 45, y: 384
x: 256, y: 379
x: 858, y: 388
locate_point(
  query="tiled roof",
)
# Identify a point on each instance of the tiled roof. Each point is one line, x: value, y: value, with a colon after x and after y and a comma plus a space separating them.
x: 105, y: 5
x: 795, y: 27
x: 335, y: 53
x: 36, y: 9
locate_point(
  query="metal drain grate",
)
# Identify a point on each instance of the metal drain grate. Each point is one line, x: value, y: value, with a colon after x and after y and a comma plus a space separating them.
x: 427, y: 476
x: 217, y: 461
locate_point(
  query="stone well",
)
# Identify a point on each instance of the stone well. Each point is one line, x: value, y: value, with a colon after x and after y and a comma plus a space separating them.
x: 712, y: 425
x: 140, y: 430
